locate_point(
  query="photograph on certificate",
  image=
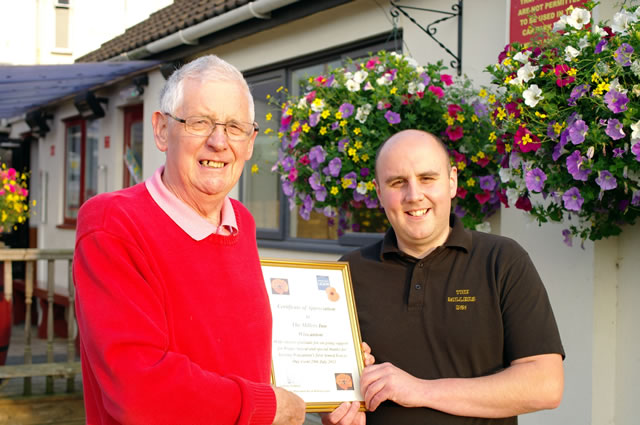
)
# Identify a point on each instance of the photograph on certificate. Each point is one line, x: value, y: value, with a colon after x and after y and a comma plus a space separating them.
x: 316, y: 350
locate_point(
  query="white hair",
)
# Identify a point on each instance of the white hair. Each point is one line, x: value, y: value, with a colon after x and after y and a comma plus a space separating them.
x: 205, y: 68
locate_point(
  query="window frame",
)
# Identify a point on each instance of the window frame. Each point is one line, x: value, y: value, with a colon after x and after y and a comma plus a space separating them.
x: 67, y: 221
x: 280, y: 238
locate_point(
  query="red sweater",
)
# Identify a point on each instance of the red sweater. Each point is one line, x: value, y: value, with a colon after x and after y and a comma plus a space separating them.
x: 173, y: 330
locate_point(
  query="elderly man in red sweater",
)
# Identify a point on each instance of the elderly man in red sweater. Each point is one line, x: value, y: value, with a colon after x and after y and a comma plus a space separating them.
x: 174, y: 318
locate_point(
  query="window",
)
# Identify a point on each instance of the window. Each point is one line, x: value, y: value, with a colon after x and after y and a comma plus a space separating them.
x: 62, y: 24
x: 132, y: 172
x: 81, y: 165
x: 278, y: 226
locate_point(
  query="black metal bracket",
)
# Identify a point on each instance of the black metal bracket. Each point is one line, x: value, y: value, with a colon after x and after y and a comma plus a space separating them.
x: 430, y: 29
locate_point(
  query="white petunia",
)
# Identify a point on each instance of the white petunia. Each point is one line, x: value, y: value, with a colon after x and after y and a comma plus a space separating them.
x: 622, y: 20
x: 505, y: 174
x: 366, y: 108
x: 385, y: 80
x: 570, y: 53
x: 302, y: 103
x: 485, y: 227
x: 560, y: 24
x: 597, y: 30
x: 317, y: 105
x: 421, y: 87
x: 360, y: 76
x: 512, y: 195
x: 352, y: 85
x: 615, y: 85
x: 635, y: 133
x: 411, y: 62
x: 412, y: 87
x: 348, y: 75
x: 420, y: 69
x: 532, y: 95
x: 635, y: 68
x: 583, y: 42
x: 527, y: 72
x: 522, y: 57
x: 579, y: 18
x: 361, y: 188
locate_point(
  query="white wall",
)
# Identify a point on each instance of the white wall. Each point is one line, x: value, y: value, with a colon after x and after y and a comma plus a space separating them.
x: 27, y: 34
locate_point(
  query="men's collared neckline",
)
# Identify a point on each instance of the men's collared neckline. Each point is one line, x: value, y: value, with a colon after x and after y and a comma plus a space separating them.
x: 192, y: 223
x: 459, y: 237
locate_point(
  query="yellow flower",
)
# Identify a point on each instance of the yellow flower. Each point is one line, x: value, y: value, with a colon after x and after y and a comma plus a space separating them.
x: 492, y: 136
x: 268, y: 96
x: 323, y: 130
x: 268, y: 130
x: 370, y: 185
x: 269, y: 116
x: 358, y: 144
x: 474, y: 118
x: 471, y: 182
x: 280, y: 134
x: 393, y: 90
x: 325, y: 114
x: 474, y: 158
x: 501, y: 113
x: 507, y: 62
x: 507, y: 79
x: 355, y: 158
x: 492, y: 99
x: 255, y: 169
x: 365, y: 157
x: 507, y: 148
x: 461, y: 165
x: 460, y: 118
x: 357, y: 131
x: 540, y: 115
x: 557, y: 127
x: 351, y: 151
x: 572, y: 72
x: 288, y: 112
x: 295, y: 126
x: 343, y: 123
x: 279, y: 89
x: 334, y: 190
x: 482, y: 93
x: 481, y: 155
x: 595, y: 77
x: 345, y: 183
x: 450, y: 120
x: 338, y: 115
x: 306, y: 128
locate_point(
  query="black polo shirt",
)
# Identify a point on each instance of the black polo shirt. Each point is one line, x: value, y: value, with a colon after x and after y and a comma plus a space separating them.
x: 468, y: 309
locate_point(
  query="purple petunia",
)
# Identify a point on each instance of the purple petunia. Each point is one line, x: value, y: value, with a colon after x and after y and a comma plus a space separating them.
x: 317, y: 156
x: 315, y: 181
x: 288, y: 163
x: 535, y: 179
x: 459, y: 211
x: 334, y: 167
x: 606, y: 181
x: 575, y: 166
x: 487, y: 182
x: 614, y: 129
x: 623, y: 54
x: 577, y: 93
x: 568, y: 239
x: 577, y: 131
x: 480, y: 108
x: 352, y: 177
x: 392, y: 117
x: 314, y: 119
x: 635, y: 198
x: 602, y: 44
x: 635, y: 149
x: 335, y: 125
x: 371, y: 202
x: 320, y: 194
x: 287, y: 187
x: 618, y: 152
x: 364, y: 172
x: 616, y: 101
x: 572, y: 199
x: 341, y: 145
x: 306, y: 207
x: 346, y: 109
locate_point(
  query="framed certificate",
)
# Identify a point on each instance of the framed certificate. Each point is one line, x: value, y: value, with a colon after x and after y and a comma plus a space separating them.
x: 316, y: 349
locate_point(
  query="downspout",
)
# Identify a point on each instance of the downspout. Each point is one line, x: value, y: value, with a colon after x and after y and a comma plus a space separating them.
x: 257, y: 9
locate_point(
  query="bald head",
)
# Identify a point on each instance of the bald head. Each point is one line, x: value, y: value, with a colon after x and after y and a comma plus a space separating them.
x: 404, y: 135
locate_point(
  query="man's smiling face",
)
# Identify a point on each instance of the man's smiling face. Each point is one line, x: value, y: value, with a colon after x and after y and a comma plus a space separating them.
x: 415, y: 186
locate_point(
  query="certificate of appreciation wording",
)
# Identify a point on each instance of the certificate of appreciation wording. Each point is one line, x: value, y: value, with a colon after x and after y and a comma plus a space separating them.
x: 316, y: 349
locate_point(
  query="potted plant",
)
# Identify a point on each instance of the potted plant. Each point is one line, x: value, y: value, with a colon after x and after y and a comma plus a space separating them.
x: 569, y: 123
x: 329, y: 135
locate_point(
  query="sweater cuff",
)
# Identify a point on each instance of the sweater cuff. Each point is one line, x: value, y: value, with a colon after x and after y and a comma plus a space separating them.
x: 259, y: 402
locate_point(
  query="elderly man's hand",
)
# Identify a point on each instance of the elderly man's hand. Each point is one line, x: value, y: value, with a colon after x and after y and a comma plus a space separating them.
x: 345, y: 414
x: 290, y: 408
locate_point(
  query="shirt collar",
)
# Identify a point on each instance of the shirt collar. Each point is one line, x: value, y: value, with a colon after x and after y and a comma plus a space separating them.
x: 459, y: 237
x: 184, y: 216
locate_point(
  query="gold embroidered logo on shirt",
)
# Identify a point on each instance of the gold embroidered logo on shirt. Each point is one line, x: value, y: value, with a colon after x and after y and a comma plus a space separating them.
x: 462, y: 297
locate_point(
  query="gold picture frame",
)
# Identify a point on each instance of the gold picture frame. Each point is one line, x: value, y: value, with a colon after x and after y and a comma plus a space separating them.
x: 315, y: 354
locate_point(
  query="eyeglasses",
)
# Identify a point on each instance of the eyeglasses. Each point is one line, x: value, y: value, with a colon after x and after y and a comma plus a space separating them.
x: 204, y: 126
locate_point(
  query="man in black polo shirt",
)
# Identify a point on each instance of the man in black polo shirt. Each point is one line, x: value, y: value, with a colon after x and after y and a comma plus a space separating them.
x: 459, y: 321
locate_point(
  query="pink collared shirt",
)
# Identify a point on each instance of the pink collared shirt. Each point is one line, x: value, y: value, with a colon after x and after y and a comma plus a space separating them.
x: 184, y: 216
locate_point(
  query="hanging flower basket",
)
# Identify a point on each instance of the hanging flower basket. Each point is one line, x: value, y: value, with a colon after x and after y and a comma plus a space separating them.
x: 569, y: 122
x: 329, y: 135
